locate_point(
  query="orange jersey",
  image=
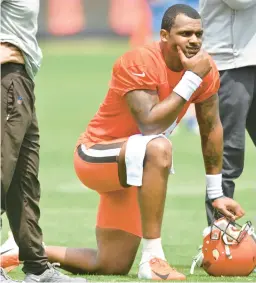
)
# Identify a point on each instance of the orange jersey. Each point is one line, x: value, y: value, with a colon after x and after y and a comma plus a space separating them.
x: 141, y: 68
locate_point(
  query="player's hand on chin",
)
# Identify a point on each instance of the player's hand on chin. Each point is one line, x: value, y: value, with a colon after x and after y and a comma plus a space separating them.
x: 228, y: 207
x: 199, y: 64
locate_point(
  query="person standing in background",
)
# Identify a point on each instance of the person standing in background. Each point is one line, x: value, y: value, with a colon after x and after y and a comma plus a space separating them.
x: 230, y: 38
x: 20, y: 189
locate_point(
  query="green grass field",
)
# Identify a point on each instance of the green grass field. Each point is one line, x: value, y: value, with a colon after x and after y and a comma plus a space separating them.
x: 69, y: 88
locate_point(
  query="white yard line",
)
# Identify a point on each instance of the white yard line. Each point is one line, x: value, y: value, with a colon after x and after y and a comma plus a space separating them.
x: 173, y: 189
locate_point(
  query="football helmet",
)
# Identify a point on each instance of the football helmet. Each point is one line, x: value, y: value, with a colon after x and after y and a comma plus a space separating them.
x: 229, y: 249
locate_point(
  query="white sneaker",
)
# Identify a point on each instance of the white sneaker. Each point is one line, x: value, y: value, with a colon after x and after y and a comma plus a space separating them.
x: 9, y: 252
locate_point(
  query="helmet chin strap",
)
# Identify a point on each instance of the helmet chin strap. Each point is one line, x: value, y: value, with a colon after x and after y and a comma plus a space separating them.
x: 227, y: 251
x: 192, y: 268
x: 252, y: 233
x: 227, y: 242
x: 197, y: 260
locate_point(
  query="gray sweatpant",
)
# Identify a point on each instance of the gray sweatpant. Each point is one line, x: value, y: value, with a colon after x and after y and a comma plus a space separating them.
x: 237, y: 98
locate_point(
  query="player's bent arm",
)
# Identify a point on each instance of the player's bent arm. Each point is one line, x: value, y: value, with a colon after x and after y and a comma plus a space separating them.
x: 211, y: 132
x: 151, y: 115
x: 212, y: 146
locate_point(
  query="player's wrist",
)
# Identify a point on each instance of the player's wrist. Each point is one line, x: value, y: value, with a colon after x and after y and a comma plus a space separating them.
x: 214, y: 186
x: 212, y: 200
x: 188, y: 84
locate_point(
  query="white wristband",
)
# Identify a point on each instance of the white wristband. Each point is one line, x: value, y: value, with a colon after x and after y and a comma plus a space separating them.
x: 188, y: 85
x: 213, y: 186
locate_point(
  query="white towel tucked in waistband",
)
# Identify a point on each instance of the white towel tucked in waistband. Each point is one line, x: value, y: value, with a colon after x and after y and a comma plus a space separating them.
x: 134, y: 157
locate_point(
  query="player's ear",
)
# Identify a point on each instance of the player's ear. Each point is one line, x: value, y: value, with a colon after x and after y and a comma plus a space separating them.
x: 164, y: 34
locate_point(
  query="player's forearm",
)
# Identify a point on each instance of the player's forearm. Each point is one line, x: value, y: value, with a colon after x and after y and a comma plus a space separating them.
x: 212, y: 148
x: 162, y: 115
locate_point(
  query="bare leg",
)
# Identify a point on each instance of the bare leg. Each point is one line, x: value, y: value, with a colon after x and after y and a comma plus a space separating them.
x: 152, y: 194
x: 72, y: 259
x: 108, y: 259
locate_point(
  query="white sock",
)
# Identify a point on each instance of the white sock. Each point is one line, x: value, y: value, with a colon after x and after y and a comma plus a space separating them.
x: 152, y: 248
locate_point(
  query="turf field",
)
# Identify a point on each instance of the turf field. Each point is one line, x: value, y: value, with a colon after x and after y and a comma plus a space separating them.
x: 69, y: 88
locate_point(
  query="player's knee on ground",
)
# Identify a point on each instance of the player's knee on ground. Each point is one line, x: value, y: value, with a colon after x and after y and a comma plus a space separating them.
x: 121, y: 266
x: 159, y: 152
x: 117, y: 250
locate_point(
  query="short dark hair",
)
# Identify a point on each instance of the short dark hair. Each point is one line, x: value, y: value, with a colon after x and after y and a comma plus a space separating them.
x: 172, y: 12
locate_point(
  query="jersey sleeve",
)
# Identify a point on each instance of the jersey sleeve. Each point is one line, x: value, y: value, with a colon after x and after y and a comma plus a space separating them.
x: 210, y: 85
x: 134, y: 70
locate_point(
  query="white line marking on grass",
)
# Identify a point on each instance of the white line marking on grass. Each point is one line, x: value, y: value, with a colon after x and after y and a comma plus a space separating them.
x: 72, y: 187
x: 174, y: 189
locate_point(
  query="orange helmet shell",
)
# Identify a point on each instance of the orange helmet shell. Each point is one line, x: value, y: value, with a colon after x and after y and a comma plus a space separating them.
x: 237, y: 259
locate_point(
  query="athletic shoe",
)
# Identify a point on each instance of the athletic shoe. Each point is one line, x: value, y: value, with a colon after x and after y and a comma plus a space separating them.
x: 158, y: 269
x: 51, y: 275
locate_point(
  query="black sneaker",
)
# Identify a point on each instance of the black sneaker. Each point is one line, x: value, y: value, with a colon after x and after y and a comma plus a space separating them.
x: 51, y: 275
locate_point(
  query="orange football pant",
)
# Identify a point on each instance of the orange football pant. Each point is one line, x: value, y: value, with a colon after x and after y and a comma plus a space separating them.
x: 118, y: 207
